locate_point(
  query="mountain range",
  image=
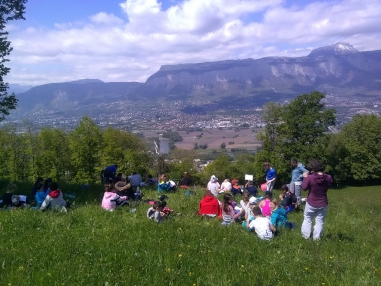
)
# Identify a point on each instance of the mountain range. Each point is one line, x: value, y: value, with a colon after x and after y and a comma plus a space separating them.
x: 336, y: 69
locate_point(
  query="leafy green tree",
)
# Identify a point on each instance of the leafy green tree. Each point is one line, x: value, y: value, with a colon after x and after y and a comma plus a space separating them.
x: 293, y: 130
x: 54, y: 160
x: 223, y: 145
x: 9, y: 10
x: 358, y: 149
x: 86, y: 148
x: 15, y: 159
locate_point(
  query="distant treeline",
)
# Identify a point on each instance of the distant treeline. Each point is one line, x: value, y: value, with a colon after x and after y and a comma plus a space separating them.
x: 296, y: 130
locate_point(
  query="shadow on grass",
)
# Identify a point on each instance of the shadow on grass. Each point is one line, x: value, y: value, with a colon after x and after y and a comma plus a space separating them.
x: 340, y: 237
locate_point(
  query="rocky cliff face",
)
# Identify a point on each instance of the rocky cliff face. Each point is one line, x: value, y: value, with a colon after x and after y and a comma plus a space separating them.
x: 335, y: 66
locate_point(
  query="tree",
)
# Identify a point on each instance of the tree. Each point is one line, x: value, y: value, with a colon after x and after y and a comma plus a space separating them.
x: 293, y: 130
x: 359, y: 149
x: 223, y: 145
x: 9, y: 10
x: 86, y: 147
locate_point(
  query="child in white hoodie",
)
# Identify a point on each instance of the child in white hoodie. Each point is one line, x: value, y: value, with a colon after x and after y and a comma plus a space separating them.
x: 54, y: 200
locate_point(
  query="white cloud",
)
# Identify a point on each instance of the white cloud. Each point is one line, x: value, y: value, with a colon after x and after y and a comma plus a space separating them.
x: 132, y: 49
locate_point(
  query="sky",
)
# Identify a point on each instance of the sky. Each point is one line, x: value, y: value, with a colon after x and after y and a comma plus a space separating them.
x: 129, y: 40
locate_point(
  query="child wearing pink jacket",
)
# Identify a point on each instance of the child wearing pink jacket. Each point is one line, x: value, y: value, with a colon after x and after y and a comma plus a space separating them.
x: 111, y: 200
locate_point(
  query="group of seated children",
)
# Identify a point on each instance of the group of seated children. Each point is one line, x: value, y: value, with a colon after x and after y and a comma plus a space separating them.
x: 119, y: 193
x: 265, y: 215
x: 159, y: 210
x: 232, y: 187
x: 47, y: 196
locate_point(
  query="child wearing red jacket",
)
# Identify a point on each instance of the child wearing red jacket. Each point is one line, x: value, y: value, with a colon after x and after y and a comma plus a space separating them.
x: 209, y: 205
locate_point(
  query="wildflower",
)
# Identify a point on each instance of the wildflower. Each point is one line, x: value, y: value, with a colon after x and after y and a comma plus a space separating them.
x: 323, y: 283
x: 21, y: 268
x: 180, y: 255
x: 169, y: 269
x: 194, y: 284
x: 190, y: 273
x: 49, y: 274
x: 242, y: 265
x: 306, y: 269
x: 331, y: 257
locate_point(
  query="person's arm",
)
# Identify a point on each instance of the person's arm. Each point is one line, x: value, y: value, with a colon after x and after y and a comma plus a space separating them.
x: 45, y: 204
x: 306, y: 183
x: 273, y: 228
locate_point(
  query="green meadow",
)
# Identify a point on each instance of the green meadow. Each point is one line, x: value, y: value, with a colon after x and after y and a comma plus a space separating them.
x: 89, y: 246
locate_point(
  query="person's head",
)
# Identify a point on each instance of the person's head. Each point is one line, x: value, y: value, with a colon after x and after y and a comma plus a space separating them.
x: 109, y: 188
x: 186, y: 175
x: 156, y: 206
x: 274, y: 204
x: 226, y: 180
x: 283, y: 205
x: 162, y: 205
x: 316, y: 166
x: 149, y: 176
x: 281, y: 196
x: 116, y: 166
x: 39, y: 180
x: 266, y: 165
x: 256, y: 211
x: 11, y: 188
x: 268, y: 195
x: 163, y: 177
x: 294, y: 162
x: 47, y: 183
x: 253, y: 201
x: 213, y: 179
x: 119, y: 175
x: 54, y: 186
x: 250, y: 184
x: 285, y: 188
x: 40, y: 187
x: 208, y: 193
x: 246, y: 196
x: 227, y: 201
x: 134, y: 173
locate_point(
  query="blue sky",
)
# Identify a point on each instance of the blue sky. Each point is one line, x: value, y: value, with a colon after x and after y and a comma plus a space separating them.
x: 128, y: 40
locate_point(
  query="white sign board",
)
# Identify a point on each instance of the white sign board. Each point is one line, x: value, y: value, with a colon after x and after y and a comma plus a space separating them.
x: 249, y: 177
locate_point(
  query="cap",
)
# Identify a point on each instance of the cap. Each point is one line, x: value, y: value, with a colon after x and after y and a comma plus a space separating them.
x: 253, y: 200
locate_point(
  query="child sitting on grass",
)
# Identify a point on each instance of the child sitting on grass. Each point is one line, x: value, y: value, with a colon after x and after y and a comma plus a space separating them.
x: 40, y: 194
x: 54, y: 200
x: 262, y: 225
x: 228, y: 214
x: 265, y: 204
x: 12, y: 200
x: 279, y: 217
x: 111, y: 199
x: 156, y: 212
x: 288, y: 199
x: 249, y: 213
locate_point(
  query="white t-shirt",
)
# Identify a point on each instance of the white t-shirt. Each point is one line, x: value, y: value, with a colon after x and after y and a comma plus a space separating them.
x: 226, y: 186
x: 262, y: 228
x: 214, y: 188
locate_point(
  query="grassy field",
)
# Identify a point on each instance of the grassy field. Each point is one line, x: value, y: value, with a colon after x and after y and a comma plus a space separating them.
x: 88, y: 246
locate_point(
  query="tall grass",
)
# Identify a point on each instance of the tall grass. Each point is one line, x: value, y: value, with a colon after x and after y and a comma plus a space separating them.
x: 88, y: 246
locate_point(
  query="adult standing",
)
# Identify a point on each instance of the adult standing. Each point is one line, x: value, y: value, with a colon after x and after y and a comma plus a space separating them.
x: 109, y: 174
x: 297, y: 174
x: 270, y: 176
x: 317, y: 184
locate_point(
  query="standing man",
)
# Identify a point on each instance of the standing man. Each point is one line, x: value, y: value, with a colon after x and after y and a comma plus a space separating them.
x: 297, y: 174
x: 109, y: 174
x: 270, y: 176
